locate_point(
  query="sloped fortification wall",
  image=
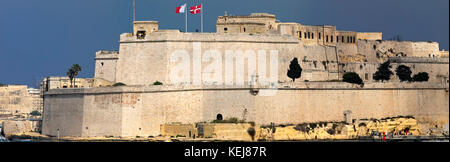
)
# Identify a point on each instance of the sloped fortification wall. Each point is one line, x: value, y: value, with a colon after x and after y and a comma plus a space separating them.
x: 144, y: 61
x: 140, y: 110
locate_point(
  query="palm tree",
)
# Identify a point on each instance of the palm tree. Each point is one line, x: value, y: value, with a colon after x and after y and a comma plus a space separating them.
x: 72, y: 73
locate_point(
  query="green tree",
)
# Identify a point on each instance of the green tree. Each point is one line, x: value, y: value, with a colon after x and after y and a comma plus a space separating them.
x: 352, y: 77
x: 404, y: 73
x: 384, y: 72
x: 421, y: 77
x: 35, y: 113
x: 72, y: 73
x: 294, y: 71
x: 157, y: 83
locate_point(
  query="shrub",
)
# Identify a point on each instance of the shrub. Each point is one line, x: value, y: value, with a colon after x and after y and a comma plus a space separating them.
x: 251, y: 131
x: 331, y: 131
x: 352, y: 77
x: 383, y: 73
x: 35, y: 113
x: 119, y: 84
x: 302, y: 128
x: 294, y: 71
x: 157, y: 83
x: 421, y: 77
x: 229, y: 120
x: 404, y: 73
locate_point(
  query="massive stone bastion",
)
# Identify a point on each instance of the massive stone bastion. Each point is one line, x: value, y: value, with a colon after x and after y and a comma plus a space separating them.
x: 140, y: 110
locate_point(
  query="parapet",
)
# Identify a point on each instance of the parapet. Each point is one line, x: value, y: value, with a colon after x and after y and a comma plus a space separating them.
x: 143, y: 28
x: 103, y: 54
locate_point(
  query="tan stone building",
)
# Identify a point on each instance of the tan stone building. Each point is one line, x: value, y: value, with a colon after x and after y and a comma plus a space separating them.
x: 57, y: 82
x: 19, y: 99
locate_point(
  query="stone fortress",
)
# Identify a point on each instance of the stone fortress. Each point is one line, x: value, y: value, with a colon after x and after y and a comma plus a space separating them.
x: 324, y: 53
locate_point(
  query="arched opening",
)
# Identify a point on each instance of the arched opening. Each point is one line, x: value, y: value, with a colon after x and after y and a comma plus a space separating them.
x: 219, y: 117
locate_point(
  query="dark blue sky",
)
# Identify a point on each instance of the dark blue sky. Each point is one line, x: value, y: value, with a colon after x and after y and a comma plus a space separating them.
x: 41, y: 38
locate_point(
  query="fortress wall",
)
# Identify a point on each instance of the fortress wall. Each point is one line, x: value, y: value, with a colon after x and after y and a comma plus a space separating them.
x: 363, y: 69
x: 144, y: 62
x: 436, y: 72
x: 102, y: 115
x: 63, y: 112
x: 396, y: 48
x: 144, y: 109
x: 369, y: 36
x: 437, y: 68
x: 425, y: 49
x: 16, y: 99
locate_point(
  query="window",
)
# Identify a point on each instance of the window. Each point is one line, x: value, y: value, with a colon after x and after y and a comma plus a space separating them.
x: 312, y: 35
x: 305, y: 35
x: 140, y: 34
x: 342, y: 40
x: 225, y: 29
x: 309, y: 35
x: 327, y: 38
x: 331, y: 38
x: 245, y: 29
x: 348, y: 39
x: 300, y: 34
x: 102, y: 63
x: 366, y: 76
x: 320, y: 35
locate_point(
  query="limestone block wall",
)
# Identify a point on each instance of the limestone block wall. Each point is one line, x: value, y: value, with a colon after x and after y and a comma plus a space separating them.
x: 63, y: 115
x: 141, y: 110
x: 369, y: 36
x: 144, y: 62
x: 15, y: 99
x: 437, y: 68
x: 374, y: 49
x: 12, y: 127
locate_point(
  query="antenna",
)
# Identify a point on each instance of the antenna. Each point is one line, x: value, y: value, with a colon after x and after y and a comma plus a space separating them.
x: 134, y: 10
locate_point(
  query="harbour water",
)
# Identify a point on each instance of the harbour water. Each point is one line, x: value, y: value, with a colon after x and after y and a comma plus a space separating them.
x: 3, y: 139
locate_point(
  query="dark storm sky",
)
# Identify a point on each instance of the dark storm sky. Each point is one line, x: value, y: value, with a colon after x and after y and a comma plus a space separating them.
x: 40, y: 38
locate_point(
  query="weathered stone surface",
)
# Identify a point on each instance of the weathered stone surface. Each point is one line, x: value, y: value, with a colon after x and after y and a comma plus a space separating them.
x: 140, y: 110
x: 11, y: 127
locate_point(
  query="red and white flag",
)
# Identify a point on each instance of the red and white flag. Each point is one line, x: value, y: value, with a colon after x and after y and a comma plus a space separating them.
x: 181, y: 9
x: 196, y: 9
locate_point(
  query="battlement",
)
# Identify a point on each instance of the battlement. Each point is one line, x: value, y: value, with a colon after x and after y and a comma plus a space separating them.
x: 177, y: 36
x: 104, y: 55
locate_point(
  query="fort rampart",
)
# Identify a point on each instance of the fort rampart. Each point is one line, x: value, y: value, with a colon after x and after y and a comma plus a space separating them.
x: 140, y: 110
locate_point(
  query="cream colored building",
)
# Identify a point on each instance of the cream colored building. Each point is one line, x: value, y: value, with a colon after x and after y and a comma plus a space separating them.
x: 57, y: 82
x: 19, y: 99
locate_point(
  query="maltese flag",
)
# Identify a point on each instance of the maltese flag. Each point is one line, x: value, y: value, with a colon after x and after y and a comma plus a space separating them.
x: 181, y: 9
x: 196, y: 9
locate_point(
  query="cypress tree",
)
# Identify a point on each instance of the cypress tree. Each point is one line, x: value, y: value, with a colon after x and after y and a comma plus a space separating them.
x: 384, y: 72
x: 404, y: 73
x: 294, y: 71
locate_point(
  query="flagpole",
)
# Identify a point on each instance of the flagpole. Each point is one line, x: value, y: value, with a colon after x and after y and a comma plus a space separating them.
x: 201, y: 11
x: 186, y: 21
x: 134, y: 10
